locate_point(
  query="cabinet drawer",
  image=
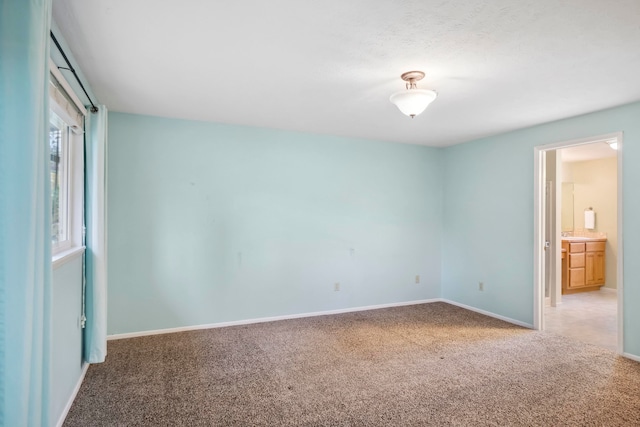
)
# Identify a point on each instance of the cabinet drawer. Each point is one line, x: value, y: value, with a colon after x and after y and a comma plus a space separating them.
x: 576, y: 247
x: 595, y: 246
x: 576, y: 260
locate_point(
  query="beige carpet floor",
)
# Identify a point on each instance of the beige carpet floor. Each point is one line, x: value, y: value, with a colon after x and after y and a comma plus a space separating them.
x: 431, y: 364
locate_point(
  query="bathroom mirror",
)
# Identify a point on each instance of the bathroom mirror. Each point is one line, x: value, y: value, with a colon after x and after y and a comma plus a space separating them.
x: 567, y: 206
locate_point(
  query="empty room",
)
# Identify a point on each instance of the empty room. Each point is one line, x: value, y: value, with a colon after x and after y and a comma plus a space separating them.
x: 338, y: 213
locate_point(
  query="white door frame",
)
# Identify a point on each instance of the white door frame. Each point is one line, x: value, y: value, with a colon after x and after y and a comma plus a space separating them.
x: 539, y: 223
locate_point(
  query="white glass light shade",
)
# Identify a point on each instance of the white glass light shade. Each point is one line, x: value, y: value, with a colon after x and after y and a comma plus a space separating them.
x: 413, y: 101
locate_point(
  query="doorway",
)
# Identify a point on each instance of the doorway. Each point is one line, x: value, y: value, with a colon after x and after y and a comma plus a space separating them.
x: 578, y: 253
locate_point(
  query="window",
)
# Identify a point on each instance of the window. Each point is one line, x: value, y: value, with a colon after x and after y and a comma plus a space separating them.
x: 59, y: 166
x: 66, y: 169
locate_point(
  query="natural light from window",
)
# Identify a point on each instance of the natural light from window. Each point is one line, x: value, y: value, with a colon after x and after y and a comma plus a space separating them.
x: 59, y: 164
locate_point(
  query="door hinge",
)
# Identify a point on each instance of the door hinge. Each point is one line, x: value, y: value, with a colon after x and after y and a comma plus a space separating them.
x: 83, y: 321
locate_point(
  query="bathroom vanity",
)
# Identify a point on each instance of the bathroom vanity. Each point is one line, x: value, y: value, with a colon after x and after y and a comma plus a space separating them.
x: 583, y: 261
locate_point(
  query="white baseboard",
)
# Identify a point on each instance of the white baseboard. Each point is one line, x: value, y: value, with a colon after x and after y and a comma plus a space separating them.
x: 631, y: 356
x: 76, y: 389
x: 488, y: 313
x: 267, y: 319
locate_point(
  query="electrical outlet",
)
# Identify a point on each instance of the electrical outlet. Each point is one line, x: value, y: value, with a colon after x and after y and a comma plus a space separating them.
x: 417, y: 278
x: 336, y: 286
x: 481, y: 286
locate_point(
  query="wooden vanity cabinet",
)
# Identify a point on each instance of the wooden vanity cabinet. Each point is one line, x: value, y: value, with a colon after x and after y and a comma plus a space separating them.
x: 584, y: 266
x: 594, y: 263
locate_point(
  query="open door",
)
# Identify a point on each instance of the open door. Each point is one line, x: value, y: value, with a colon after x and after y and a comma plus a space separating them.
x: 549, y: 241
x: 549, y: 175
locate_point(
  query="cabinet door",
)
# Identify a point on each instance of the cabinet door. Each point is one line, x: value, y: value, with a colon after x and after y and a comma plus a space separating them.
x: 590, y: 269
x: 594, y: 268
x: 598, y: 268
x: 576, y: 278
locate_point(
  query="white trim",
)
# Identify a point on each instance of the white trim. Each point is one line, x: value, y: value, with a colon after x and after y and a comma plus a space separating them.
x: 631, y: 356
x: 580, y: 141
x: 488, y: 313
x: 268, y: 319
x: 557, y: 238
x: 64, y: 257
x: 538, y: 233
x: 66, y: 86
x: 538, y: 285
x: 76, y: 389
x: 312, y: 314
x: 620, y: 266
x: 555, y: 246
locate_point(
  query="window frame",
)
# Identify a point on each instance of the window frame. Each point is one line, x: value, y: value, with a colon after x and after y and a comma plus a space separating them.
x: 66, y: 193
x: 66, y: 105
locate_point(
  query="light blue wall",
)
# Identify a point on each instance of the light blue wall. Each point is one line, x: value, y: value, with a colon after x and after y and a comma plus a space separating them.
x: 211, y: 223
x: 488, y: 216
x: 66, y: 352
x: 488, y: 208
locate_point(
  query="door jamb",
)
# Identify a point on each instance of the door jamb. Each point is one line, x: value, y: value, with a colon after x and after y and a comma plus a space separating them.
x: 538, y: 227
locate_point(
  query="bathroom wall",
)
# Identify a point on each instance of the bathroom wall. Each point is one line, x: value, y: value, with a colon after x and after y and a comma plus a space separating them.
x: 595, y: 185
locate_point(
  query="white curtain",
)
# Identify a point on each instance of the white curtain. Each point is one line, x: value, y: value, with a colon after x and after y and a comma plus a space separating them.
x: 95, y: 333
x: 25, y: 214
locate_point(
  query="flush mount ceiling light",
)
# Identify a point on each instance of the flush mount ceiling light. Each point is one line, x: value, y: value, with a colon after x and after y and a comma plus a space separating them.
x: 413, y: 101
x: 613, y: 143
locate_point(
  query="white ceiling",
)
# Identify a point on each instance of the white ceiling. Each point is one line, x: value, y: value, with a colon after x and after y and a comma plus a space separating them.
x: 591, y: 151
x: 330, y: 66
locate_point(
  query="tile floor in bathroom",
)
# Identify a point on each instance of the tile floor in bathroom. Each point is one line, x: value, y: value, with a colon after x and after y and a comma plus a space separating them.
x: 588, y: 317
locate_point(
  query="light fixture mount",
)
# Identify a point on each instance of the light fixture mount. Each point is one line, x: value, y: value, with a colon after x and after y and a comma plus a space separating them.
x: 413, y: 101
x: 411, y: 77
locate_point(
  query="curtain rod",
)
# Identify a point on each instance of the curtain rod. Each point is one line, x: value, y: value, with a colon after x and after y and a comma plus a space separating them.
x: 93, y: 108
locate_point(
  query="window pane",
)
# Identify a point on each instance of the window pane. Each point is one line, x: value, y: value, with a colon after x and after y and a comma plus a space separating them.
x: 58, y: 165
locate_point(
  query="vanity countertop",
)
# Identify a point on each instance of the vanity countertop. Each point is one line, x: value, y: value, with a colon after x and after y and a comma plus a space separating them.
x: 576, y: 239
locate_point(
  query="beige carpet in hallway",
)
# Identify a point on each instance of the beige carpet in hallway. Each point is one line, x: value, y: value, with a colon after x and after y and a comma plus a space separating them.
x: 431, y: 364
